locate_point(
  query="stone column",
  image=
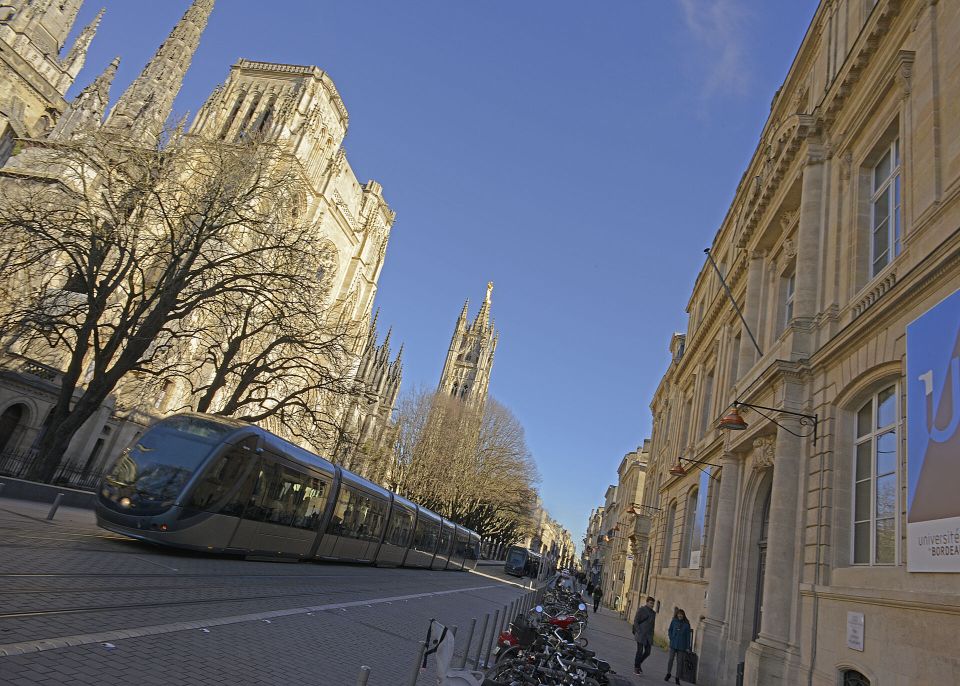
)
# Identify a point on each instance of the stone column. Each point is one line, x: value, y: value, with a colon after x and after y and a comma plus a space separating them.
x: 808, y: 253
x: 751, y: 312
x: 714, y: 630
x: 768, y: 655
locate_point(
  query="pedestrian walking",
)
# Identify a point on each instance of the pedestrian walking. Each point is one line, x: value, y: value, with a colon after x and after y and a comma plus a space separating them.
x: 597, y: 595
x: 643, y: 625
x: 680, y: 641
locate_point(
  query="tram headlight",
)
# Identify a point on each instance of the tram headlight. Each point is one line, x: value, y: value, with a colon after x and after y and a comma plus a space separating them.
x: 124, y: 502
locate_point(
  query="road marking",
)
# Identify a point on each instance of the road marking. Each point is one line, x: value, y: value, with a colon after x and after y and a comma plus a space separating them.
x: 27, y: 647
x: 502, y: 581
x: 143, y: 559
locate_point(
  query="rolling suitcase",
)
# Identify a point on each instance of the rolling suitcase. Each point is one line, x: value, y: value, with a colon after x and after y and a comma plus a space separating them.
x: 688, y: 667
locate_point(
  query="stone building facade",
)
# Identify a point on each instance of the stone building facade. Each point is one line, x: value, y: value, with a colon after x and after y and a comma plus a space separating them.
x: 296, y: 108
x: 590, y: 553
x: 466, y: 371
x: 615, y: 551
x: 786, y: 548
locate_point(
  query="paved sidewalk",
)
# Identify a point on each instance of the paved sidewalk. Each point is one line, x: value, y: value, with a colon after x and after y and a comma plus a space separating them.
x: 610, y: 637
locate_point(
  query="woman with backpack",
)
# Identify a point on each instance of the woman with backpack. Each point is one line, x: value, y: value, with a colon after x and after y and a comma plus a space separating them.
x: 681, y: 639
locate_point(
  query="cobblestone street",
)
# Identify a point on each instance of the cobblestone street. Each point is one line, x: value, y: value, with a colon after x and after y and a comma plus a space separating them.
x: 83, y: 606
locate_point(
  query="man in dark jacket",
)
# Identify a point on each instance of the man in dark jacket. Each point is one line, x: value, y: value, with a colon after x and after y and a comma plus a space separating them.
x: 643, y: 625
x: 597, y: 596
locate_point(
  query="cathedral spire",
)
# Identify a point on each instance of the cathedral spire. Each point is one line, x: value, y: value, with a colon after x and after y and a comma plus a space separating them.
x: 86, y: 110
x: 144, y: 107
x: 71, y: 8
x: 74, y: 60
x: 483, y: 316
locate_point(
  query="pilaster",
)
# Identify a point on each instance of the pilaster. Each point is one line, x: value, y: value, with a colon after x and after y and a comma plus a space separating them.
x: 770, y: 656
x: 712, y: 653
x: 808, y: 253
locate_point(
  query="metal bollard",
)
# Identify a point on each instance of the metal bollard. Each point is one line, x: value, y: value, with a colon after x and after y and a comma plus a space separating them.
x: 416, y: 667
x: 363, y: 676
x: 483, y: 632
x: 56, y: 505
x: 493, y: 637
x: 466, y: 650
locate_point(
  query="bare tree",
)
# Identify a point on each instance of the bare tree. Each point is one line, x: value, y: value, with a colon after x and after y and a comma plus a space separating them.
x: 115, y: 248
x: 473, y: 468
x: 276, y: 356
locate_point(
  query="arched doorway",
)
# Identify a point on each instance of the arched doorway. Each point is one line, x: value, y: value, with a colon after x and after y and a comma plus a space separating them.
x: 9, y: 424
x: 761, y: 564
x: 752, y: 571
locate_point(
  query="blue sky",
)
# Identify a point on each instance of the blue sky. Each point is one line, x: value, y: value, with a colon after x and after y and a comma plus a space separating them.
x: 579, y: 155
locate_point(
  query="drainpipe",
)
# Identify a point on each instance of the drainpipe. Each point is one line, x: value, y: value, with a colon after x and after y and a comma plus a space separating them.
x: 816, y: 574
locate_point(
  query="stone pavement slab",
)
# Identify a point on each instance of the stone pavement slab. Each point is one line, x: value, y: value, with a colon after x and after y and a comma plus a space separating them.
x: 612, y: 640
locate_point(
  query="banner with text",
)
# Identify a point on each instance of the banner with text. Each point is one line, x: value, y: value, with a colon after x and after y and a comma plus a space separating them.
x: 933, y: 439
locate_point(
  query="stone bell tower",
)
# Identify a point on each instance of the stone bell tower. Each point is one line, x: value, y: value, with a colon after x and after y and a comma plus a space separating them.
x: 466, y: 372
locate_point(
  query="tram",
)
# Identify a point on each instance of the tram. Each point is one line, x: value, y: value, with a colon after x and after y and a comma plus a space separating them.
x: 521, y: 562
x: 214, y: 484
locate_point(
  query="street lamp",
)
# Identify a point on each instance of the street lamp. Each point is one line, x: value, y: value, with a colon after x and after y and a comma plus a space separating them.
x: 679, y: 470
x: 734, y: 422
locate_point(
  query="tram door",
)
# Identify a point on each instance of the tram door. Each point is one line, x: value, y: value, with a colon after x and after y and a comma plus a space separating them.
x: 283, y: 512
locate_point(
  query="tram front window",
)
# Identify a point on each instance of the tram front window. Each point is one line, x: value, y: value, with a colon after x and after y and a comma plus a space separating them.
x: 150, y: 475
x: 517, y: 558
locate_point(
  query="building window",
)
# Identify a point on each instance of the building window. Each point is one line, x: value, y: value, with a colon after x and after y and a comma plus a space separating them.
x: 689, y: 535
x: 852, y: 677
x: 668, y: 536
x: 706, y: 410
x: 875, y: 506
x: 789, y: 285
x: 162, y: 400
x: 735, y: 359
x: 885, y: 209
x: 685, y: 423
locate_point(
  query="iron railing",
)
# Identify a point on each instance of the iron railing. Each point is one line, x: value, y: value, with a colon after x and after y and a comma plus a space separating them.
x: 17, y: 464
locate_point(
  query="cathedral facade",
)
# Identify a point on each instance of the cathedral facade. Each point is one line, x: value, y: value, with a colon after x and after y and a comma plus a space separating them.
x: 34, y: 77
x: 466, y: 371
x: 295, y: 108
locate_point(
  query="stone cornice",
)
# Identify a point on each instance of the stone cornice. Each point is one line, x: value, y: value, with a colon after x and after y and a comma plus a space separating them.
x: 859, y: 57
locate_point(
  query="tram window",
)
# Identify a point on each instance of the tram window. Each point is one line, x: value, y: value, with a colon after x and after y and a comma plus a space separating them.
x: 238, y: 501
x: 401, y: 528
x: 312, y: 504
x: 278, y: 495
x: 341, y: 523
x: 374, y: 513
x: 283, y: 495
x: 444, y: 548
x: 219, y: 479
x: 426, y: 536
